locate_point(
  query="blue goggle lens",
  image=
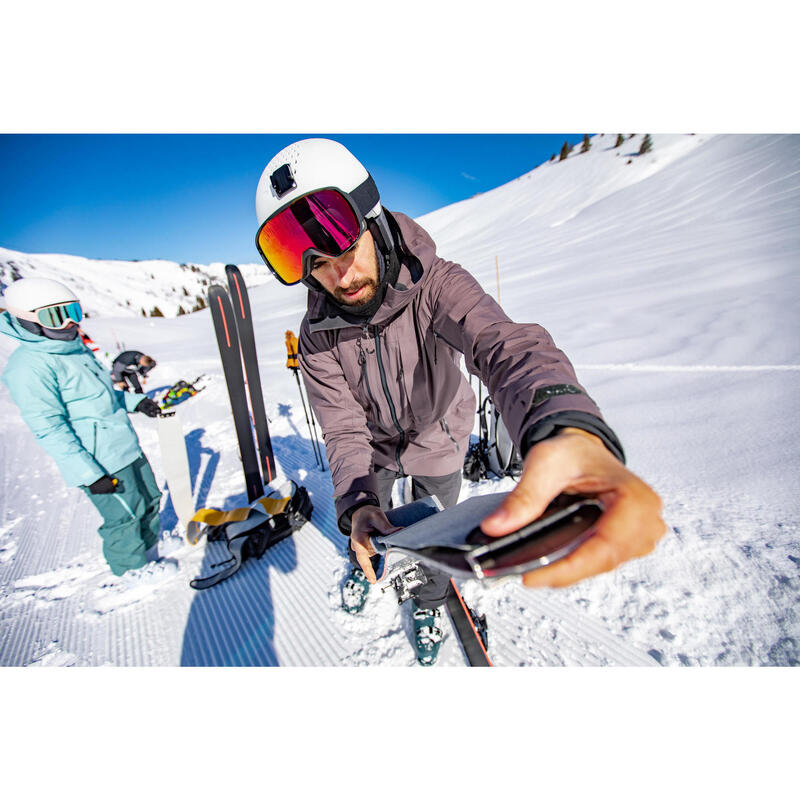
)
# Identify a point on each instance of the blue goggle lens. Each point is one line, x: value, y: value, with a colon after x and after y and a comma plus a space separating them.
x: 60, y: 316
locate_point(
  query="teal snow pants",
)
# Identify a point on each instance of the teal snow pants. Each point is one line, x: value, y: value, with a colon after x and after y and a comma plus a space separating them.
x: 131, y: 521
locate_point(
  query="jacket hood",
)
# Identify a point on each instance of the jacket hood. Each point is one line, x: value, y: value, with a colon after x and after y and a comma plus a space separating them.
x: 417, y: 253
x: 10, y: 327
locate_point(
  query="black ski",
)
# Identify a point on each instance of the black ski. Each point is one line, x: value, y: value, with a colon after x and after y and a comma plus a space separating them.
x: 469, y: 627
x: 247, y: 342
x: 230, y: 353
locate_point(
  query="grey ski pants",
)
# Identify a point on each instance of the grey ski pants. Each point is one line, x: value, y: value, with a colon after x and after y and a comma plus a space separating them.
x: 446, y: 487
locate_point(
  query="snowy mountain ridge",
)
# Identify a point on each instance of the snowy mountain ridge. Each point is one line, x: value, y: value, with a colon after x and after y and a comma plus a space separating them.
x: 112, y: 288
x: 556, y: 191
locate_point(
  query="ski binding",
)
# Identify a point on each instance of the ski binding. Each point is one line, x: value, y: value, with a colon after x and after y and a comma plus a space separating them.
x: 404, y: 577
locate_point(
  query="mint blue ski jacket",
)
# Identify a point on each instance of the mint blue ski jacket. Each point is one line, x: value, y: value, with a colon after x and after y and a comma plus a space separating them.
x: 67, y: 399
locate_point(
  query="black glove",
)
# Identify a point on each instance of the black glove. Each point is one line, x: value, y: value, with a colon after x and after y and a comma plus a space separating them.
x: 104, y: 485
x: 149, y: 407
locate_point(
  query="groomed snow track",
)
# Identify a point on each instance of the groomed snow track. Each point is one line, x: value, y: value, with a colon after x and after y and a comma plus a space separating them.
x: 280, y: 611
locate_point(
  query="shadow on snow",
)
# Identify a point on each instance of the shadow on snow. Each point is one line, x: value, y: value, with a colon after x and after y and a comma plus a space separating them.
x: 233, y: 623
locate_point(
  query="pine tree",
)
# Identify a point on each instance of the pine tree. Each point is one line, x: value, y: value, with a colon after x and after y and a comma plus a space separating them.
x: 564, y: 151
x: 620, y: 140
x: 181, y: 312
x: 647, y: 145
x: 586, y: 143
x: 553, y: 157
x: 156, y: 312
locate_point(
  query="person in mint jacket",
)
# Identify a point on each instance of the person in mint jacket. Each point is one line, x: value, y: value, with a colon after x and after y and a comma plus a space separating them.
x: 67, y: 400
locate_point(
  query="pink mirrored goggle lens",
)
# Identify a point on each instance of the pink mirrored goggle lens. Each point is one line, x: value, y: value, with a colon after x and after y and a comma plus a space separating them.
x: 323, y: 221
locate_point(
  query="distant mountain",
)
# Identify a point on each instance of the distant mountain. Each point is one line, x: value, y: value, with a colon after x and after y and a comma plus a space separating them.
x: 126, y: 288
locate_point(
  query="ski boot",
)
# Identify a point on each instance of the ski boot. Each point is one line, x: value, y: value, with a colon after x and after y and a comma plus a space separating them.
x: 355, y: 591
x: 427, y: 633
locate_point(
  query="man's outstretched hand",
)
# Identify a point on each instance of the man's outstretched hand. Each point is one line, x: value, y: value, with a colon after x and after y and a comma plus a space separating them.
x: 577, y: 462
x: 368, y: 521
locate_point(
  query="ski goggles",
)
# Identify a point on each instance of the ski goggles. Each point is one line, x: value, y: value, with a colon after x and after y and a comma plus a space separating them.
x: 59, y: 316
x: 324, y: 224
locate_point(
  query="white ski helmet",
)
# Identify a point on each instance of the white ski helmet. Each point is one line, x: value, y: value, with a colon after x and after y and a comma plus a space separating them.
x: 314, y: 164
x: 25, y: 297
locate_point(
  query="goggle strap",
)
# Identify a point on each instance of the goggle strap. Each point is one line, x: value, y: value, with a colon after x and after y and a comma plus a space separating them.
x: 365, y: 196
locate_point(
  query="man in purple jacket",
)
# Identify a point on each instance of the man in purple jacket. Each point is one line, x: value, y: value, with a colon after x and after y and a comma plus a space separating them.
x: 387, y: 323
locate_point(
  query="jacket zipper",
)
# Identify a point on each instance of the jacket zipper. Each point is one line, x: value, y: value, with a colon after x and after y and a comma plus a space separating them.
x: 392, y: 408
x: 362, y: 360
x: 447, y: 431
x: 439, y: 336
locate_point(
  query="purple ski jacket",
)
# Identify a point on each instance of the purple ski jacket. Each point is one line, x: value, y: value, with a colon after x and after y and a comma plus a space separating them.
x: 389, y: 391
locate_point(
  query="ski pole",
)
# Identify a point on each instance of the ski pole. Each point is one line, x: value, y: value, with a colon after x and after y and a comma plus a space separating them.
x: 480, y: 411
x: 314, y: 440
x: 293, y: 356
x: 293, y: 364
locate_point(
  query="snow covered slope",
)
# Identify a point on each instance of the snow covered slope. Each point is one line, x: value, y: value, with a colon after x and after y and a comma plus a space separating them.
x: 672, y: 284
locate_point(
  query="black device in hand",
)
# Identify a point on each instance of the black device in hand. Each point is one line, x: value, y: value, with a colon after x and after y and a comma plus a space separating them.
x: 451, y: 541
x: 104, y: 485
x: 149, y: 407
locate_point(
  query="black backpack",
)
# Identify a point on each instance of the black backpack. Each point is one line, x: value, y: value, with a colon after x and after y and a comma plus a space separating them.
x: 494, y: 453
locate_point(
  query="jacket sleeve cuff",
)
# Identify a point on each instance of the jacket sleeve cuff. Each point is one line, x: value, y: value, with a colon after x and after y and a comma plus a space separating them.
x: 553, y: 423
x: 346, y: 518
x: 131, y: 400
x: 92, y: 472
x: 359, y: 492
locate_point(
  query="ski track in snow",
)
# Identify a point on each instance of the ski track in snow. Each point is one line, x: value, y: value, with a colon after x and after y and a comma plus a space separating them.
x: 273, y: 612
x: 694, y: 368
x: 692, y: 260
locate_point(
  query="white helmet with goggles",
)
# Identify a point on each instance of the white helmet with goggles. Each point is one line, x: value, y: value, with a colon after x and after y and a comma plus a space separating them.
x: 314, y: 200
x: 44, y: 301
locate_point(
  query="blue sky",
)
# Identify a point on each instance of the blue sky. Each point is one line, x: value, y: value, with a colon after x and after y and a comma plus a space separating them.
x: 190, y: 198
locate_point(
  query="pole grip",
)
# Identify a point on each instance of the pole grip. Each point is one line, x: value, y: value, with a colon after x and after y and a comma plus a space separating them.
x: 291, y: 351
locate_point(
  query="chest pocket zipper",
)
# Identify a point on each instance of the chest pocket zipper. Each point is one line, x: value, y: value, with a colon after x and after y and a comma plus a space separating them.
x: 362, y: 361
x: 446, y: 428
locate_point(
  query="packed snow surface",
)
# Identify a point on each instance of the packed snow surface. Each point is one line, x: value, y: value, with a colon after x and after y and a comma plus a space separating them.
x: 671, y: 281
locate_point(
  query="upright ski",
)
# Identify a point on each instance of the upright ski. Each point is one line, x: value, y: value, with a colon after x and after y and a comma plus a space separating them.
x: 469, y: 627
x: 247, y: 342
x: 230, y: 354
